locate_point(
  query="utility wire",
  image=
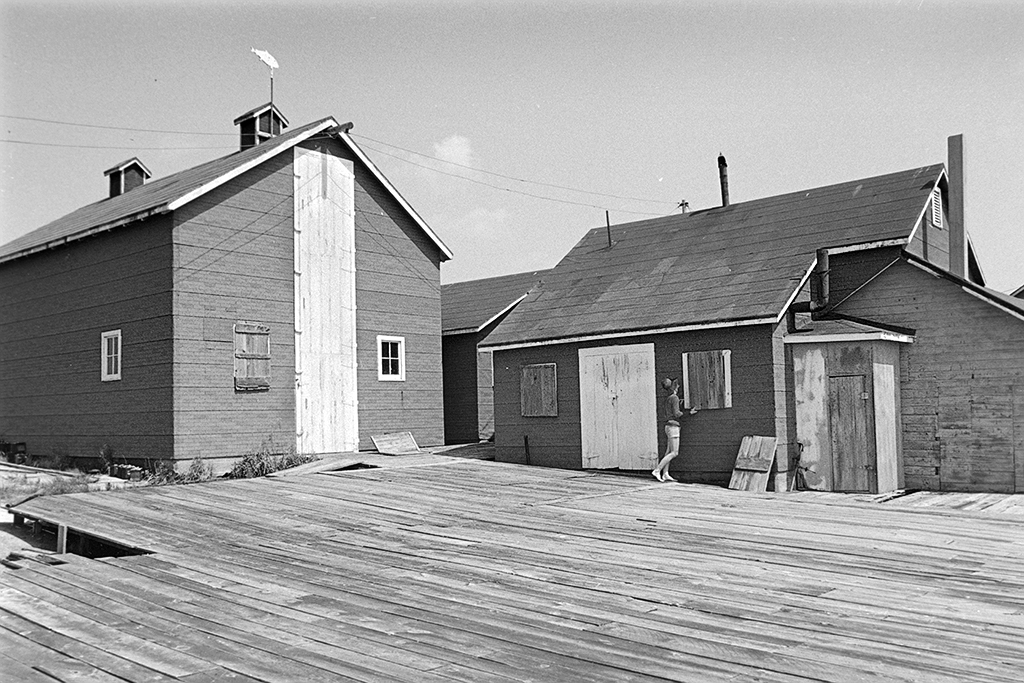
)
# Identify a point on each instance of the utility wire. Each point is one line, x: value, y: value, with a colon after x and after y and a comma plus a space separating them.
x: 363, y: 137
x: 507, y: 189
x: 58, y: 144
x: 508, y: 177
x: 121, y: 128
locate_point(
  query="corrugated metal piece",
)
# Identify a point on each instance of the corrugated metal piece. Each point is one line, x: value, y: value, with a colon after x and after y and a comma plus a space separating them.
x: 739, y: 262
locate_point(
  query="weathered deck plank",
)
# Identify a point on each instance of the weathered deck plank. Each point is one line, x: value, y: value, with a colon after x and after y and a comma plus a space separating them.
x: 475, y: 571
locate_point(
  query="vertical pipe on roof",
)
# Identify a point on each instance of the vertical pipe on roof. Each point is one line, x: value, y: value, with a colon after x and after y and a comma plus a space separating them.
x: 957, y: 232
x: 723, y: 178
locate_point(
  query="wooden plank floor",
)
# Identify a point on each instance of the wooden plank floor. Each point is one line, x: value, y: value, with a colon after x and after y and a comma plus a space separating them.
x: 466, y: 570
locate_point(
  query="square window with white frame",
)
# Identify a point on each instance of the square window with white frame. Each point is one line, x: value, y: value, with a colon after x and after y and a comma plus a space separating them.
x: 110, y: 356
x: 390, y: 358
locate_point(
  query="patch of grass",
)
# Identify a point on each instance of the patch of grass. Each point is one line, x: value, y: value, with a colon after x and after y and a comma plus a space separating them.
x: 165, y: 474
x: 266, y: 459
x: 22, y: 486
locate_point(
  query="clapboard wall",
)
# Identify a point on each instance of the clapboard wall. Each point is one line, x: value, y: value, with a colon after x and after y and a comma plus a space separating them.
x: 398, y: 293
x: 54, y: 305
x: 961, y: 382
x: 233, y: 262
x: 461, y: 404
x: 709, y: 440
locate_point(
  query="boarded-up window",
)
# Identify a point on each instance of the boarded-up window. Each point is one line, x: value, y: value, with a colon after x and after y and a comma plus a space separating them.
x: 539, y: 390
x: 252, y: 357
x: 707, y: 379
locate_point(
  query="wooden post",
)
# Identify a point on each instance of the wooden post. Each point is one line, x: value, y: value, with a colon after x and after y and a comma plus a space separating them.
x: 957, y: 229
x: 62, y: 539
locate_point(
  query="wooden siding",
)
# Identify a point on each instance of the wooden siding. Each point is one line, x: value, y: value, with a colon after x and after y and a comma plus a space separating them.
x: 709, y: 440
x: 398, y: 293
x: 54, y: 305
x: 962, y: 382
x: 787, y: 453
x: 461, y: 416
x: 485, y: 394
x: 851, y: 270
x: 233, y: 261
x: 932, y: 242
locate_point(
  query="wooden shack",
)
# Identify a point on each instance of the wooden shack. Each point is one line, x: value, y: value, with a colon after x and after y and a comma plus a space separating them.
x: 870, y: 406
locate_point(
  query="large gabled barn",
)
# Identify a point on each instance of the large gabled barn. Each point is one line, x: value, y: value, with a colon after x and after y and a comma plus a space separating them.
x: 284, y: 294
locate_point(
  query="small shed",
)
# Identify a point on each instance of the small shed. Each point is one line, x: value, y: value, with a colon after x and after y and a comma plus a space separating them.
x: 470, y: 311
x: 847, y: 406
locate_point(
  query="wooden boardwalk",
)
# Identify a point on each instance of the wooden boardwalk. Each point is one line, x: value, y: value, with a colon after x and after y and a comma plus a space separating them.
x: 462, y: 570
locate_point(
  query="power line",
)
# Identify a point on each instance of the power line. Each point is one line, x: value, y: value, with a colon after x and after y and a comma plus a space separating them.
x: 363, y: 137
x: 121, y: 128
x: 135, y: 147
x: 508, y: 177
x: 507, y: 189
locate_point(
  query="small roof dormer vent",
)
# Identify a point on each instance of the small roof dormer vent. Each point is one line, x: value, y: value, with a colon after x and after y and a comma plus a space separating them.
x: 127, y: 175
x: 937, y: 207
x: 260, y: 124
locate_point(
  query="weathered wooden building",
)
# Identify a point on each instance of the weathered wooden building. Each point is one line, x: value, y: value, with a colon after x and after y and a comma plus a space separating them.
x: 285, y: 292
x: 469, y: 312
x: 892, y: 366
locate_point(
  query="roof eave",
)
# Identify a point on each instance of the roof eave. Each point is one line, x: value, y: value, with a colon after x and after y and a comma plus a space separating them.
x: 52, y: 244
x: 343, y: 135
x: 737, y: 322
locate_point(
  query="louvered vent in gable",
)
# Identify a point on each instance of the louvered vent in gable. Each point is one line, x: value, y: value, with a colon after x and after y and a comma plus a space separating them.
x: 937, y: 207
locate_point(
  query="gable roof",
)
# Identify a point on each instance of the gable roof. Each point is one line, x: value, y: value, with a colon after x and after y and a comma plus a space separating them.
x: 176, y: 190
x: 733, y: 265
x: 473, y: 305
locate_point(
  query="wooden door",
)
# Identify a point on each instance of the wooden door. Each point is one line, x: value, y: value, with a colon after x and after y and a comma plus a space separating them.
x: 618, y: 407
x: 853, y: 452
x: 326, y: 401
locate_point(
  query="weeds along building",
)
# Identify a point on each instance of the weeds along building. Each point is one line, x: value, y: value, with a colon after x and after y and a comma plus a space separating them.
x: 284, y: 292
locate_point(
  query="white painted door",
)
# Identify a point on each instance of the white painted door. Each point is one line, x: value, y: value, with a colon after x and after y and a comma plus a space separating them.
x: 326, y: 406
x: 618, y: 407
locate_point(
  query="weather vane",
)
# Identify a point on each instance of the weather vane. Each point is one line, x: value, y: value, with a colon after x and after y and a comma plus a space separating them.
x: 269, y: 60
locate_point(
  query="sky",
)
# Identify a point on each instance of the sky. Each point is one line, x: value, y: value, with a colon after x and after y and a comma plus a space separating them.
x: 513, y: 127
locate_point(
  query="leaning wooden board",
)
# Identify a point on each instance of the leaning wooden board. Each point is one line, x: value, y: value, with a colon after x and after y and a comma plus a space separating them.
x: 753, y: 463
x: 397, y: 443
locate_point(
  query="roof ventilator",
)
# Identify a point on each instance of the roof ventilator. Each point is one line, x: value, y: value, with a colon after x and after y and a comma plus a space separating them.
x: 260, y: 124
x: 126, y: 176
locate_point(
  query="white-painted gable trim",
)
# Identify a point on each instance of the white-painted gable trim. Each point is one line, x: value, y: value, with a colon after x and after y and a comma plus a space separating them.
x: 390, y: 188
x: 848, y: 337
x: 924, y: 207
x: 998, y: 305
x: 272, y: 151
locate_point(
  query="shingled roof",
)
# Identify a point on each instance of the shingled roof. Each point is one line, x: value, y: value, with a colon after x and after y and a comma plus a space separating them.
x: 738, y: 264
x: 471, y: 306
x: 173, y: 191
